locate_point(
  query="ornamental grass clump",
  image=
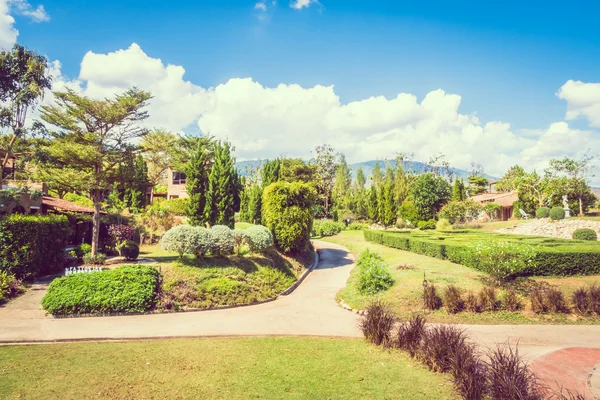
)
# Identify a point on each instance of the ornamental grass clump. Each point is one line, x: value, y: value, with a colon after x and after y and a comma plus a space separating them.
x: 373, y: 273
x: 453, y: 299
x: 538, y: 303
x: 503, y: 261
x: 509, y: 376
x: 594, y: 299
x: 469, y: 372
x: 430, y: 297
x: 580, y: 301
x: 511, y: 301
x: 472, y: 303
x: 555, y: 301
x: 410, y: 334
x: 487, y: 299
x: 440, y: 344
x: 378, y: 322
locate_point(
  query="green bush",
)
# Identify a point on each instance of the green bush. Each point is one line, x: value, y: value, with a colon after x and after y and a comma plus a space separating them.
x: 503, y: 260
x: 585, y: 234
x: 454, y: 212
x: 10, y: 286
x: 79, y: 199
x: 222, y: 240
x: 130, y: 250
x: 122, y: 290
x: 175, y: 206
x: 324, y: 228
x: 260, y: 238
x: 443, y: 225
x: 557, y: 213
x: 98, y: 259
x: 373, y: 274
x: 424, y: 225
x: 542, y: 212
x: 357, y: 226
x: 287, y: 213
x: 33, y: 245
x: 179, y: 239
x: 408, y: 213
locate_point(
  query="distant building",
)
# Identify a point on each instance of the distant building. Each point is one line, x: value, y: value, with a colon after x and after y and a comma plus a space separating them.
x: 504, y: 199
x: 176, y: 185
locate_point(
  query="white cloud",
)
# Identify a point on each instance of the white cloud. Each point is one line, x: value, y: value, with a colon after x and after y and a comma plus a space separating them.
x: 300, y: 4
x: 291, y: 120
x: 261, y: 6
x: 583, y: 100
x: 8, y: 33
x: 22, y: 7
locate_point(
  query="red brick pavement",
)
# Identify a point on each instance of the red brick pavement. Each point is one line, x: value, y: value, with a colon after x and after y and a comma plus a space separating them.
x: 567, y: 368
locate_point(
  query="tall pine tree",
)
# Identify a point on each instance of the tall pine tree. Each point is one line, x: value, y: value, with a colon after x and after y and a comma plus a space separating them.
x: 270, y: 172
x: 342, y: 186
x: 458, y: 190
x: 196, y: 171
x: 388, y: 195
x: 373, y: 204
x: 360, y: 200
x: 223, y: 195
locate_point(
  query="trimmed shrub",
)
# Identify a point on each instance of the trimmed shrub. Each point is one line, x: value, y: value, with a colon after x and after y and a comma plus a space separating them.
x: 542, y: 212
x: 33, y: 245
x: 511, y: 301
x: 287, y: 213
x: 373, y: 274
x: 509, y: 376
x: 443, y: 225
x: 555, y: 301
x: 580, y: 301
x: 453, y: 299
x: 424, y: 225
x: 98, y: 259
x: 503, y: 260
x: 324, y: 228
x: 121, y: 290
x: 472, y: 303
x: 377, y: 323
x: 175, y: 206
x: 557, y: 213
x: 179, y: 239
x: 223, y: 240
x: 410, y: 334
x: 585, y: 234
x: 431, y: 299
x: 201, y: 241
x: 130, y: 250
x: 260, y: 238
x: 357, y: 226
x: 487, y: 299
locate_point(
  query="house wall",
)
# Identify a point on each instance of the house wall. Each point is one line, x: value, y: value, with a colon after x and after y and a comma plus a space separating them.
x: 176, y: 185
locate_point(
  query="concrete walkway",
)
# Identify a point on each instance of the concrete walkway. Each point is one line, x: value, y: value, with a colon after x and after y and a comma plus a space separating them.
x: 310, y: 310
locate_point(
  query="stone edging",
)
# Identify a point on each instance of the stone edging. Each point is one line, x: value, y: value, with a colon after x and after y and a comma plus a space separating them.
x: 284, y: 293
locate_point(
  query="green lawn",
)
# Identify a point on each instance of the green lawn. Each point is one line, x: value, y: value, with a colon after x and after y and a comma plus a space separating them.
x: 248, y: 368
x: 405, y: 297
x: 220, y: 281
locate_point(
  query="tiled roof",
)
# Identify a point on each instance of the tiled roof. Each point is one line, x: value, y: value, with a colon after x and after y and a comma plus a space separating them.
x: 503, y: 198
x: 63, y: 205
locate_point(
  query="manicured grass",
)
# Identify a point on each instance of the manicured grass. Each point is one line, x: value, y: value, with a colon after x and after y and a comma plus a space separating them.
x: 493, y: 226
x: 266, y: 368
x: 220, y: 281
x: 405, y: 297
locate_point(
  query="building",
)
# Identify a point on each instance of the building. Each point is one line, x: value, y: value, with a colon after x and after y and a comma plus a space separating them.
x: 504, y: 199
x: 176, y: 185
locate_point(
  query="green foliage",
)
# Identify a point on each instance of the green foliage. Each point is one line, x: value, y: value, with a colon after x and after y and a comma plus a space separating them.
x: 78, y: 199
x: 387, y: 208
x: 324, y: 227
x: 178, y: 206
x: 557, y: 213
x: 223, y: 194
x: 585, y: 234
x: 122, y: 290
x: 270, y: 172
x: 491, y: 210
x: 373, y: 274
x: 259, y: 238
x: 357, y: 226
x: 454, y: 212
x: 542, y: 212
x: 502, y: 260
x: 429, y: 193
x: 10, y: 286
x: 458, y: 190
x: 222, y: 240
x: 287, y: 213
x: 33, y: 245
x: 373, y: 204
x: 424, y: 225
x: 197, y: 183
x: 130, y: 250
x: 443, y: 225
x: 296, y: 170
x: 179, y: 239
x: 408, y: 213
x: 342, y: 186
x: 94, y: 259
x: 161, y: 189
x: 477, y: 184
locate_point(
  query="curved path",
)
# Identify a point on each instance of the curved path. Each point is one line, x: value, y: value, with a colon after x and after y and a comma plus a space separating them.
x: 310, y: 310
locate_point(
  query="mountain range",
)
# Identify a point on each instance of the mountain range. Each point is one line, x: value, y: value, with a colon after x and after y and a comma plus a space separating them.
x: 245, y: 168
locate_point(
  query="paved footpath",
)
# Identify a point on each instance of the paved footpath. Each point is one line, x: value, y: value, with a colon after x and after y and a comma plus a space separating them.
x: 310, y: 310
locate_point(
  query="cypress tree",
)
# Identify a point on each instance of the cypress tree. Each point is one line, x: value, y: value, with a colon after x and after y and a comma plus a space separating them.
x: 360, y: 196
x: 223, y: 192
x: 373, y: 204
x: 140, y: 181
x: 388, y: 195
x: 342, y: 185
x: 196, y: 172
x: 458, y: 190
x: 255, y: 204
x: 270, y: 172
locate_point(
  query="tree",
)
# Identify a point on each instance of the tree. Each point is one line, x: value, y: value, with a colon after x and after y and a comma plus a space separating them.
x: 402, y: 183
x: 429, y: 193
x: 223, y: 194
x: 342, y: 187
x: 140, y: 182
x: 158, y: 147
x: 491, y: 209
x: 326, y: 165
x: 270, y: 172
x: 255, y: 204
x: 576, y: 171
x: 377, y: 175
x: 93, y: 138
x: 296, y: 170
x: 23, y: 79
x: 197, y: 184
x: 458, y: 190
x: 477, y: 184
x: 388, y: 209
x: 373, y: 204
x: 360, y: 205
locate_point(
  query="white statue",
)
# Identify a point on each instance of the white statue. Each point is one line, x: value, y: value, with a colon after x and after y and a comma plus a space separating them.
x: 566, y: 206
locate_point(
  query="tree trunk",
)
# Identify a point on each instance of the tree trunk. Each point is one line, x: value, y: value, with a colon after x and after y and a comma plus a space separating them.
x: 580, y: 206
x: 96, y: 222
x: 5, y: 161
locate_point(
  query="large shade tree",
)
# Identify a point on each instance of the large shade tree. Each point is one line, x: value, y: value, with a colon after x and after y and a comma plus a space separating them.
x: 23, y: 79
x: 93, y: 136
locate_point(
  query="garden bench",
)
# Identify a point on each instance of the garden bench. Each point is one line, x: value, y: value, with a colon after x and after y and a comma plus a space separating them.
x: 524, y: 215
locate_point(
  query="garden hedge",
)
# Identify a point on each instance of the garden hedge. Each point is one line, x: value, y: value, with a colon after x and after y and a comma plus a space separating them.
x: 552, y: 256
x: 121, y: 290
x: 33, y: 245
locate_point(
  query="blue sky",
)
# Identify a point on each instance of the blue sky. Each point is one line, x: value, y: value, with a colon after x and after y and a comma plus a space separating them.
x: 506, y: 60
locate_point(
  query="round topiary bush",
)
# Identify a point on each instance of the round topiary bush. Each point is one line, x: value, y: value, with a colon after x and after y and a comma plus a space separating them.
x: 585, y: 234
x: 130, y: 250
x: 542, y: 212
x: 180, y: 239
x: 201, y: 241
x: 223, y: 240
x: 557, y: 213
x: 260, y: 238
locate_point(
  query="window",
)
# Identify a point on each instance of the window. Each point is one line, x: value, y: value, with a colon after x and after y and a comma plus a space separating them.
x: 178, y: 178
